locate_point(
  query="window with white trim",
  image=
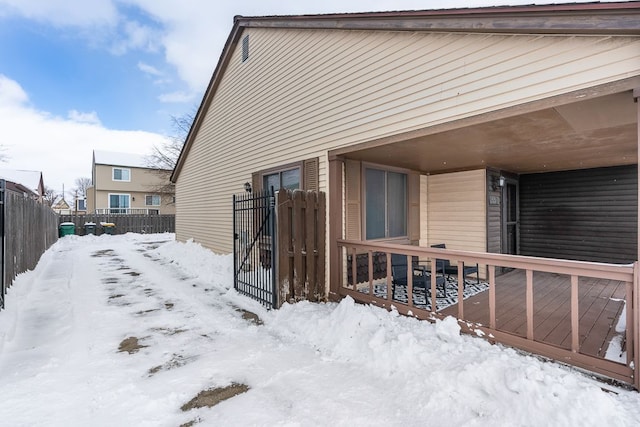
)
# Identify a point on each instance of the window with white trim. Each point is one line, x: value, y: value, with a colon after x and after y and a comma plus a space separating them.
x: 121, y: 174
x: 386, y: 204
x: 152, y: 200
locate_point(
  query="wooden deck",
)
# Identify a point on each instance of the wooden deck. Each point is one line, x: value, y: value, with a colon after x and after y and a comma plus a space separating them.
x: 601, y: 303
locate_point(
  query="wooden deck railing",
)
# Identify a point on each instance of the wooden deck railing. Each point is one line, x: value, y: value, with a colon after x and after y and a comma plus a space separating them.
x: 628, y: 274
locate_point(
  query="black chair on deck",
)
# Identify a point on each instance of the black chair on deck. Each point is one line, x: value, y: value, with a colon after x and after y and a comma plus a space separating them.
x: 421, y: 275
x: 452, y: 270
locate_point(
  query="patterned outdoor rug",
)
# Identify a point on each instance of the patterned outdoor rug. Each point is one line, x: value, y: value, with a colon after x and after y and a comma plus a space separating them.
x: 419, y: 300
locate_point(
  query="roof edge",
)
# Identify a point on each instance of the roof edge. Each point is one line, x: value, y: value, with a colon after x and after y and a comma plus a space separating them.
x: 590, y: 18
x: 486, y: 10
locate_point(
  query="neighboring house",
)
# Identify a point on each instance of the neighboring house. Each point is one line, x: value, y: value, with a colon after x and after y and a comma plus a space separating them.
x: 30, y: 183
x: 80, y: 205
x: 123, y: 183
x: 498, y: 131
x: 62, y: 207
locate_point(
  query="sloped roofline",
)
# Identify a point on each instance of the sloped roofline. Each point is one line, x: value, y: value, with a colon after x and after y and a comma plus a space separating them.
x: 118, y: 158
x: 620, y: 18
x: 27, y: 178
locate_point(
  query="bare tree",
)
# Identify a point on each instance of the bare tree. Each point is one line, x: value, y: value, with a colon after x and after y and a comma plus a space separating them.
x: 50, y: 196
x: 81, y: 185
x: 163, y: 157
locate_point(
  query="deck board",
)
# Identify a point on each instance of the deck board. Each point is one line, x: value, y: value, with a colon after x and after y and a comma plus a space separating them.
x: 600, y: 306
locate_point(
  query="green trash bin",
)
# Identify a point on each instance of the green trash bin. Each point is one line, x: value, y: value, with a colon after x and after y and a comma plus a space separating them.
x: 108, y: 227
x: 66, y: 229
x: 89, y: 228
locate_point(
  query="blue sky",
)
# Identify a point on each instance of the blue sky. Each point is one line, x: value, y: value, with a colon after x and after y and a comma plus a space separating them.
x: 78, y: 75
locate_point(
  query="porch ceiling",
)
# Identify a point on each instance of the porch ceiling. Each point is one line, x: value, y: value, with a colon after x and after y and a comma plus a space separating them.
x: 593, y: 133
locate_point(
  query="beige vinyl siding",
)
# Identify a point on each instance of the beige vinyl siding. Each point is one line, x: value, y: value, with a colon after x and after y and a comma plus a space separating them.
x: 91, y: 199
x: 141, y: 179
x: 304, y: 92
x: 456, y: 213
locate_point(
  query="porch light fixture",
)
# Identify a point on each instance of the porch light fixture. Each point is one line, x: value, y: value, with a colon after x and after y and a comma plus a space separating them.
x: 494, y: 182
x: 247, y: 187
x: 497, y: 182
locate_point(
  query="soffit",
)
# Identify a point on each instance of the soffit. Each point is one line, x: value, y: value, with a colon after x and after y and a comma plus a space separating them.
x: 594, y: 133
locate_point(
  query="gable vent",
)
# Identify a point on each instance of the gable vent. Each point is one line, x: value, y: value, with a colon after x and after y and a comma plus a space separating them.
x: 245, y: 48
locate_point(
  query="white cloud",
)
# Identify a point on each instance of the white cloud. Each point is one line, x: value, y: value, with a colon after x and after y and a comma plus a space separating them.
x: 78, y: 117
x: 177, y: 96
x: 77, y: 13
x: 135, y: 36
x: 59, y: 147
x: 149, y: 69
x: 11, y: 93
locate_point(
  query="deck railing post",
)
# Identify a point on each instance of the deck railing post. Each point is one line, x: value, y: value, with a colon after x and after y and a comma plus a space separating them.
x: 410, y: 281
x: 529, y: 299
x: 492, y: 296
x: 635, y: 304
x: 461, y: 280
x: 575, y: 323
x: 389, y: 284
x: 636, y: 298
x: 630, y: 333
x: 370, y: 269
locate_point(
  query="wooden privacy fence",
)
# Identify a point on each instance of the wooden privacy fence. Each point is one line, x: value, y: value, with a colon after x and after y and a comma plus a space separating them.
x: 28, y: 228
x: 301, y: 225
x: 124, y: 223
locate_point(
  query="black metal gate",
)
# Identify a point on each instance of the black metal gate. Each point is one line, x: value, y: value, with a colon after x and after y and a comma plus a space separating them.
x: 254, y: 246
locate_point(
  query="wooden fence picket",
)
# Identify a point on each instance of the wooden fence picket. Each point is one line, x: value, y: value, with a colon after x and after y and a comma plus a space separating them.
x: 301, y: 217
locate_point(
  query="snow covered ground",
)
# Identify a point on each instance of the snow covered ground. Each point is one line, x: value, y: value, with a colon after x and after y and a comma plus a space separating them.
x: 125, y: 330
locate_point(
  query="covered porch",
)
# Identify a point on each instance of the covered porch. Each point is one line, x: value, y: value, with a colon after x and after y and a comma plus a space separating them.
x: 542, y: 295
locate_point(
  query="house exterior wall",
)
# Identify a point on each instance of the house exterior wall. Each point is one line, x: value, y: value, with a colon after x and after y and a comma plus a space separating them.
x: 456, y: 210
x: 143, y: 182
x: 91, y: 199
x: 304, y: 92
x: 586, y: 215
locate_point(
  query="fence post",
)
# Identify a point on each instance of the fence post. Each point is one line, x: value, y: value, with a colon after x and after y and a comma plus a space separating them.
x: 321, y: 241
x: 2, y: 248
x: 634, y: 305
x: 311, y: 244
x: 284, y: 284
x: 298, y: 239
x: 274, y: 249
x: 235, y: 244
